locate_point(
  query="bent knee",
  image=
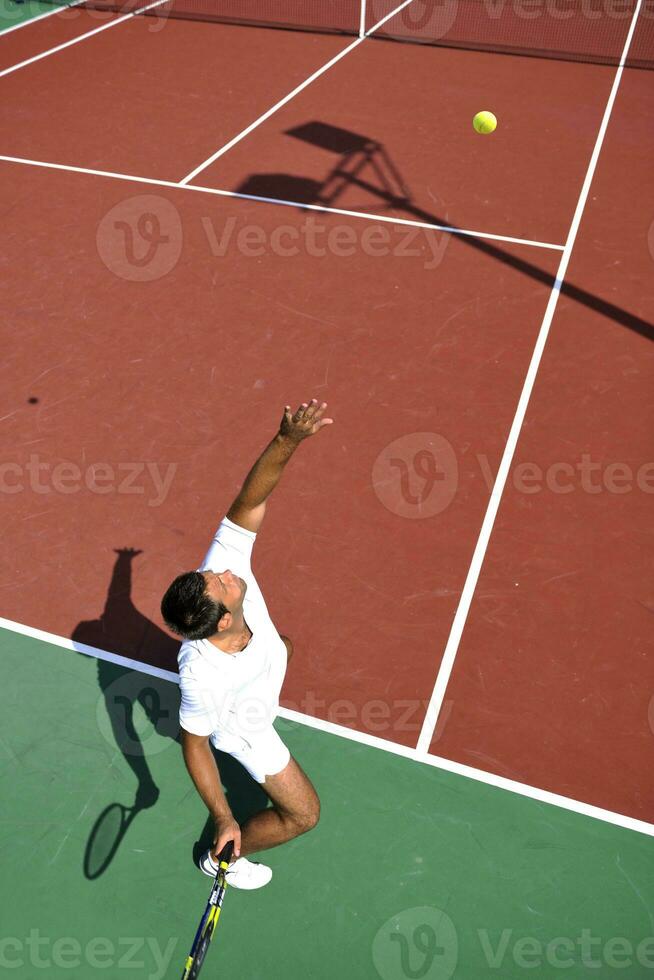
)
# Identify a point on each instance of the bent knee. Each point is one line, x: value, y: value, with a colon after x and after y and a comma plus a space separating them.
x: 313, y: 816
x: 306, y: 818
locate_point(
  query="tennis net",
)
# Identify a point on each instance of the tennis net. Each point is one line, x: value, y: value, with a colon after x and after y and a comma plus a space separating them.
x: 579, y: 30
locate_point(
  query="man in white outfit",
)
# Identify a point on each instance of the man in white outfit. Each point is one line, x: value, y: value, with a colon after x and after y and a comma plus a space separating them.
x: 231, y: 667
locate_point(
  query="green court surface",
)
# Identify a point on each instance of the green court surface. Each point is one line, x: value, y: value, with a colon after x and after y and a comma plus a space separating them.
x: 412, y: 872
x: 12, y: 13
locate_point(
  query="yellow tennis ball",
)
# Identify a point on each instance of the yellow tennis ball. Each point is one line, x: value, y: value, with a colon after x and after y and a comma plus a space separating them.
x: 484, y: 122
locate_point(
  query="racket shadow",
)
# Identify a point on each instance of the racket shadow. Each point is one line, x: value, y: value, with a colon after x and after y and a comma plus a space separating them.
x: 105, y: 839
x: 109, y: 831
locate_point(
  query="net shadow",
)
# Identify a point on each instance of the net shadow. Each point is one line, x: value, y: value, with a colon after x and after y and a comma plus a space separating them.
x: 358, y: 152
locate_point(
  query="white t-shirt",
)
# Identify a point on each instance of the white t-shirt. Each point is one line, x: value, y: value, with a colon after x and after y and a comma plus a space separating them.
x: 229, y: 695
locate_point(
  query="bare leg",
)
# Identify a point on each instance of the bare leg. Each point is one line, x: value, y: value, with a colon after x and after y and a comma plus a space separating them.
x: 295, y: 810
x: 289, y: 648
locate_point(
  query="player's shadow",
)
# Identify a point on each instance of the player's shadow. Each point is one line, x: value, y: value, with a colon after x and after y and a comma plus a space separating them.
x: 362, y: 163
x: 138, y: 714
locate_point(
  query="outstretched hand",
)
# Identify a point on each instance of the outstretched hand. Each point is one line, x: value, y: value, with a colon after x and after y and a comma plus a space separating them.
x: 306, y: 422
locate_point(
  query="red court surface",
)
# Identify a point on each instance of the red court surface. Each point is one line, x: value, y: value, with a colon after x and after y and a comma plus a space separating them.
x: 206, y: 85
x: 559, y: 636
x: 32, y: 39
x: 152, y: 99
x: 420, y: 345
x: 525, y: 184
x: 181, y: 370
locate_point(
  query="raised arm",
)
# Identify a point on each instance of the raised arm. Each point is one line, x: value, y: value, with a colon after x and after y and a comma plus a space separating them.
x: 250, y: 506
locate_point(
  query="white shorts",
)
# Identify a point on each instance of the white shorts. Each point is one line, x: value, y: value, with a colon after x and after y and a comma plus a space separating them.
x: 262, y: 751
x: 263, y: 754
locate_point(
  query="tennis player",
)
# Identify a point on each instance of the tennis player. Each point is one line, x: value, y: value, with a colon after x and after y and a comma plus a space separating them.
x: 231, y: 667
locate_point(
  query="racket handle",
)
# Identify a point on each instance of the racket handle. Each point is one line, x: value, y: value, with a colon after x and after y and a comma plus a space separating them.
x: 226, y: 853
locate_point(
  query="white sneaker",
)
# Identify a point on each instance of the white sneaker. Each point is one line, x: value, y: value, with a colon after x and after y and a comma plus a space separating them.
x: 242, y: 873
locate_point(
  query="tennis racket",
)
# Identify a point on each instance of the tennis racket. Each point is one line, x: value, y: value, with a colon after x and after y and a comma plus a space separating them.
x: 209, y: 920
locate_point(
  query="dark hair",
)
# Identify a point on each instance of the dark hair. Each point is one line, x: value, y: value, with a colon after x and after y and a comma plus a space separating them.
x: 188, y: 610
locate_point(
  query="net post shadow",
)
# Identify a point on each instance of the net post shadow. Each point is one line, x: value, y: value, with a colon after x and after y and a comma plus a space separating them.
x: 358, y: 152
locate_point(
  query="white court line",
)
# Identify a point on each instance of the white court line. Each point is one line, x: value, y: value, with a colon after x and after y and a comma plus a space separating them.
x: 458, y: 625
x: 362, y: 21
x: 287, y: 98
x: 76, y: 40
x: 198, y: 189
x: 436, y: 762
x: 33, y: 20
x: 266, y: 115
x: 420, y: 754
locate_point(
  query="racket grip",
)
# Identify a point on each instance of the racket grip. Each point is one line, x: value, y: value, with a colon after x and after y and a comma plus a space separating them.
x: 226, y: 853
